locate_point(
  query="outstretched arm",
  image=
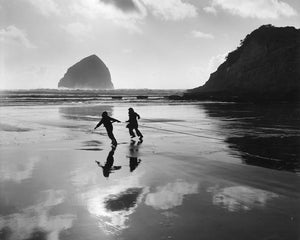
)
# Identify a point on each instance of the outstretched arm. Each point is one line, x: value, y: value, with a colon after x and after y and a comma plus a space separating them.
x: 138, y: 116
x: 98, y: 125
x: 114, y: 120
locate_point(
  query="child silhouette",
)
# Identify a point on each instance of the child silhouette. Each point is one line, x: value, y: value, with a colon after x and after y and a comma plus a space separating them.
x: 107, y: 123
x: 133, y: 124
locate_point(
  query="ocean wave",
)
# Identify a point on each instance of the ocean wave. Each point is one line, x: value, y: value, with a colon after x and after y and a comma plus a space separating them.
x: 60, y: 96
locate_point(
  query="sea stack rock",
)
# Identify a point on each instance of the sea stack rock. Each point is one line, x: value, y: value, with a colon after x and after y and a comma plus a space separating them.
x: 89, y: 73
x: 266, y: 66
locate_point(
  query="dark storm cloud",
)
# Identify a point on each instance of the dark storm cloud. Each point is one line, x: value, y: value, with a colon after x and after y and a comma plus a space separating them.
x: 124, y: 5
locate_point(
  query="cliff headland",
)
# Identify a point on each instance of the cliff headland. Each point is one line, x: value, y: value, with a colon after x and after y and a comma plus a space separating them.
x: 265, y: 67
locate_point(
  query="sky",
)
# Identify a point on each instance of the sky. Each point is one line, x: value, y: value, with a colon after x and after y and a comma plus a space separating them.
x: 158, y: 44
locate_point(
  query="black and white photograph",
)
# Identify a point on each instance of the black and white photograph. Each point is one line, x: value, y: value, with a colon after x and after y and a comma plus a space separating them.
x: 149, y: 120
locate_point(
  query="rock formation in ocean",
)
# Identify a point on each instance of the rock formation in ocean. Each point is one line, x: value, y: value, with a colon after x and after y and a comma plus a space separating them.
x: 266, y: 66
x: 89, y: 73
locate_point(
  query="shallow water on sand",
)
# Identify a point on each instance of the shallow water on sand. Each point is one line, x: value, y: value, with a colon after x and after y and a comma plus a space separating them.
x: 203, y: 171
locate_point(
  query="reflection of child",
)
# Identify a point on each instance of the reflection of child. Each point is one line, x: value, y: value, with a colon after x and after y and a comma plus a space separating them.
x: 107, y: 122
x: 108, y: 168
x: 133, y: 124
x: 133, y: 163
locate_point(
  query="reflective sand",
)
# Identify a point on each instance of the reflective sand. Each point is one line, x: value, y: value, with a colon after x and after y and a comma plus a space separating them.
x: 203, y: 171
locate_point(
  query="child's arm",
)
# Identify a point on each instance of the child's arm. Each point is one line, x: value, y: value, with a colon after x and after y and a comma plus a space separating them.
x: 114, y: 120
x: 138, y: 116
x: 98, y: 125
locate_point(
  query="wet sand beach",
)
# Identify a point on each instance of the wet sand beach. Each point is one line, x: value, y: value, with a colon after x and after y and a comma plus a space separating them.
x: 202, y: 171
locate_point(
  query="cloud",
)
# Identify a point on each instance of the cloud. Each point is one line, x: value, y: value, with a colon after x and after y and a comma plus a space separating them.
x: 17, y: 169
x: 45, y: 7
x: 14, y: 35
x: 130, y: 14
x: 77, y: 30
x: 38, y: 219
x: 210, y: 9
x: 198, y: 34
x: 112, y: 205
x: 262, y: 9
x: 198, y: 75
x: 215, y: 62
x: 240, y: 198
x: 94, y: 9
x: 171, y: 9
x: 124, y: 5
x: 170, y: 195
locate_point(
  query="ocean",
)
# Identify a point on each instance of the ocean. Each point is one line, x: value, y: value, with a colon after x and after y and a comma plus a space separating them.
x: 61, y: 96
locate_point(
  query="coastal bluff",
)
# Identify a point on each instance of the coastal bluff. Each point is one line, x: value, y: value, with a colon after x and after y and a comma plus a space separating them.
x: 89, y: 73
x: 265, y: 67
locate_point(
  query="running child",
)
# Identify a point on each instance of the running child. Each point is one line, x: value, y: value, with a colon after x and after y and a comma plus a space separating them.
x: 133, y: 123
x: 107, y: 123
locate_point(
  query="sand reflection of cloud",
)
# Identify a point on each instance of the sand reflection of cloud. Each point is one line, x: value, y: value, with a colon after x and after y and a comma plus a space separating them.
x: 241, y: 198
x: 17, y: 169
x: 84, y: 177
x: 36, y: 219
x: 170, y: 195
x: 114, y: 204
